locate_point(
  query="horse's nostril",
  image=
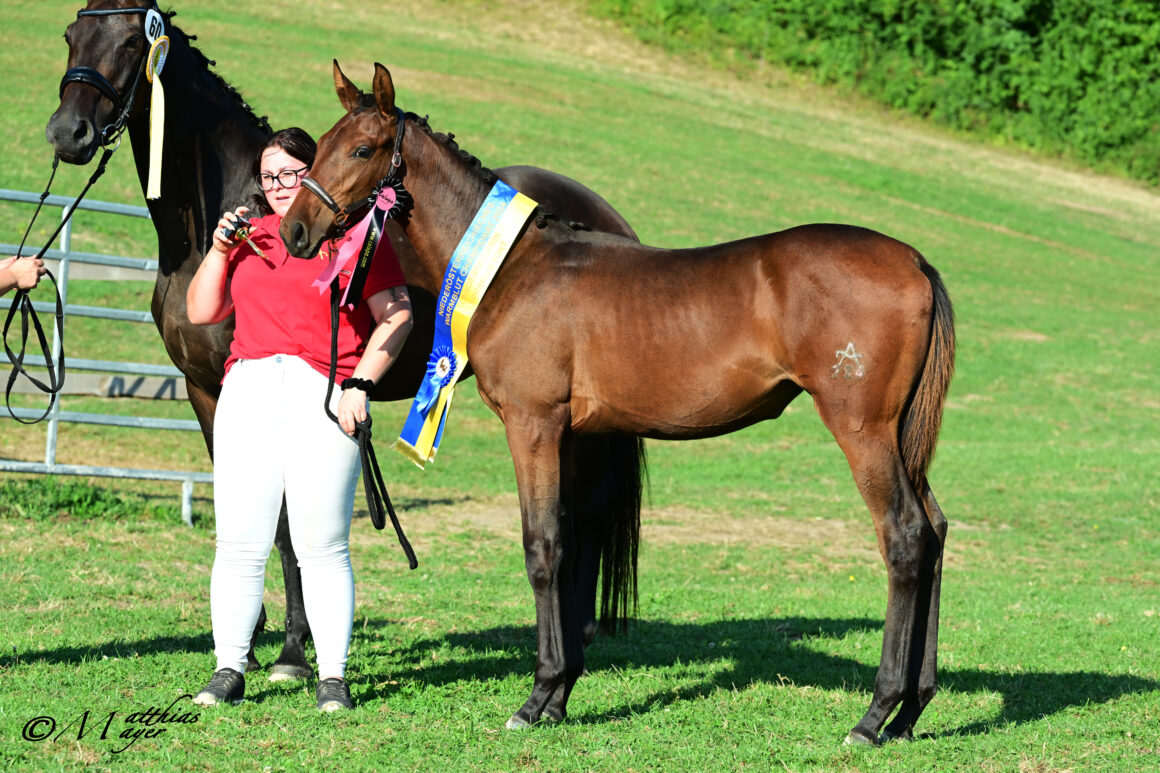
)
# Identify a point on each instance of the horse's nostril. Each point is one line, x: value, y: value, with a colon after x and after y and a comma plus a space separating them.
x: 81, y: 131
x: 297, y: 236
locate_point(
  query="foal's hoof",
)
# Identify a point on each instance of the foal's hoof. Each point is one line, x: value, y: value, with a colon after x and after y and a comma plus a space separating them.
x: 517, y: 723
x: 856, y: 738
x: 289, y: 673
x: 905, y: 735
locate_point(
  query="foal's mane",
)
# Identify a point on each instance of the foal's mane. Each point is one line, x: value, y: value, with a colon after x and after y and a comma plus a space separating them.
x: 367, y: 102
x: 207, y: 64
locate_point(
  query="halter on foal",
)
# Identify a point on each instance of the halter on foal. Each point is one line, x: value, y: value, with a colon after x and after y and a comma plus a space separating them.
x: 680, y: 344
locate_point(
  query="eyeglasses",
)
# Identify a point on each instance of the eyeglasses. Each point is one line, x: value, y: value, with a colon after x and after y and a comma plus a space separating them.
x: 287, y: 178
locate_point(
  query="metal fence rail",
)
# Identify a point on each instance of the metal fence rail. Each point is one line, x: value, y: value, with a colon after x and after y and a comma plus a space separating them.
x: 147, y: 269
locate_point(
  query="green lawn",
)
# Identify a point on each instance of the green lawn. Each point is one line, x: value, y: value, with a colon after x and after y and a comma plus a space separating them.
x: 762, y: 594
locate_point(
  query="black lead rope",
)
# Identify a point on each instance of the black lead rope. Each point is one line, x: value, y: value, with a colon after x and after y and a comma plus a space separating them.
x: 22, y: 303
x: 376, y: 489
x: 55, y: 383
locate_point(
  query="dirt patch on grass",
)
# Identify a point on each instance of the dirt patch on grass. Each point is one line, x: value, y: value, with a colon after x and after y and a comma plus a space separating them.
x: 500, y: 517
x: 835, y: 537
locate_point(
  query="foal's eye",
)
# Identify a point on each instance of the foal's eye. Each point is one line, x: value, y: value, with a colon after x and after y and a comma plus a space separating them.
x: 362, y: 151
x: 135, y: 42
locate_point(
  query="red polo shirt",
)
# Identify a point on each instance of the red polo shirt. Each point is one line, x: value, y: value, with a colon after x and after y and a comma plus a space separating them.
x: 279, y: 311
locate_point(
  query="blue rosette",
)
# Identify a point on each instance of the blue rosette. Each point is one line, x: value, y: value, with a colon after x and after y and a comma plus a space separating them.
x: 441, y: 367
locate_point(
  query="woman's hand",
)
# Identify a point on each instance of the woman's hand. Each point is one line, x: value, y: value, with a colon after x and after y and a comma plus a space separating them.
x: 25, y: 273
x: 208, y: 299
x: 391, y: 310
x: 352, y: 408
x: 221, y: 242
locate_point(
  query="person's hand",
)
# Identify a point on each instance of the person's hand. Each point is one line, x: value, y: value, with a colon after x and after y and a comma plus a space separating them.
x: 352, y: 408
x: 220, y: 241
x: 27, y: 271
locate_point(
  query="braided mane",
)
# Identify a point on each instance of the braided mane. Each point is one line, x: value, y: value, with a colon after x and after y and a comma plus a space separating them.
x: 259, y: 122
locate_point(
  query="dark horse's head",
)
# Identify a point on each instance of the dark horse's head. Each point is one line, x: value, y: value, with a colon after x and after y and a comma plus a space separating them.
x: 107, y: 49
x: 353, y: 157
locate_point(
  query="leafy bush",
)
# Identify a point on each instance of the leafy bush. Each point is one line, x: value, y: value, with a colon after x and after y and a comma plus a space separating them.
x: 1074, y: 77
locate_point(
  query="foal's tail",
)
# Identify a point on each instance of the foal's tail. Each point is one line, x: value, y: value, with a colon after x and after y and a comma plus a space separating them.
x: 621, y: 540
x: 923, y: 416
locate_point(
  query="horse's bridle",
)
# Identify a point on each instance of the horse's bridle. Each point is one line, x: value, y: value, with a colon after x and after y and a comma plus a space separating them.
x: 20, y: 302
x: 342, y: 215
x: 90, y: 76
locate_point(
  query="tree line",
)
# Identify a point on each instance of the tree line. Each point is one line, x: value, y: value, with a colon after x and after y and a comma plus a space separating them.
x: 1071, y: 78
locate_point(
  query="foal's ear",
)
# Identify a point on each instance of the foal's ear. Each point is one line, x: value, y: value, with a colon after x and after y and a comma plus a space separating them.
x: 384, y: 91
x: 348, y: 93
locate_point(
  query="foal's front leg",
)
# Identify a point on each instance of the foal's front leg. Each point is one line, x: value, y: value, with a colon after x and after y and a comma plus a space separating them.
x: 541, y: 451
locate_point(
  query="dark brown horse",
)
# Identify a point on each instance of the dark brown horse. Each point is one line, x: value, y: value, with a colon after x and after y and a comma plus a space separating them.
x: 211, y: 138
x: 678, y: 344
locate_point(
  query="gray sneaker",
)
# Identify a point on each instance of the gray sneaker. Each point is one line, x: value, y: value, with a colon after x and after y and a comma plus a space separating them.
x: 225, y: 686
x: 332, y: 694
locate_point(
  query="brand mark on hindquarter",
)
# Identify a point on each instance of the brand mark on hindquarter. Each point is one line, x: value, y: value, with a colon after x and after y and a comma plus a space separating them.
x: 849, y: 363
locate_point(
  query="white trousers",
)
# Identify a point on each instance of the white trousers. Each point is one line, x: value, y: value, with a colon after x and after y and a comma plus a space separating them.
x: 273, y: 439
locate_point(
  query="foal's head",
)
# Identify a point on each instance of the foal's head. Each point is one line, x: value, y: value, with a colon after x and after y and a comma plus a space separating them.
x: 358, y: 152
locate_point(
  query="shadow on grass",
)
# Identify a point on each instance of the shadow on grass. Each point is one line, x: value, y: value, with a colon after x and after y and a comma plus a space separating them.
x: 118, y: 648
x: 769, y: 651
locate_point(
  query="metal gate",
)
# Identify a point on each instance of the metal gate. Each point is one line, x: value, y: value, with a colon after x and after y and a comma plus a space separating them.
x: 161, y: 380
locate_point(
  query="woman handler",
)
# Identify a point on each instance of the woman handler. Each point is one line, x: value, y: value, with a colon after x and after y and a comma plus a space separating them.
x: 272, y: 438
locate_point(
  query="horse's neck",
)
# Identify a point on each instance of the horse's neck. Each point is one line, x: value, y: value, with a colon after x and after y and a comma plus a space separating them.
x: 210, y: 142
x: 447, y: 196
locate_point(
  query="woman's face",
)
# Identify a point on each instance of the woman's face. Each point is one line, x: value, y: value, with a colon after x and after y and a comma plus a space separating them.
x: 275, y: 162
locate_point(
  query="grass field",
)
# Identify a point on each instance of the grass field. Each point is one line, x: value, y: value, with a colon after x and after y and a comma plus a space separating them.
x: 762, y: 593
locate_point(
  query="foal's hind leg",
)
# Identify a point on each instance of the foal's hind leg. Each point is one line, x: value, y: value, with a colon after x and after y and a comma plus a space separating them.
x: 592, y: 520
x: 909, y: 546
x: 902, y: 726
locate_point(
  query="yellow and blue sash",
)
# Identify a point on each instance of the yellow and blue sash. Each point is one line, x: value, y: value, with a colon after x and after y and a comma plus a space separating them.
x: 482, y: 249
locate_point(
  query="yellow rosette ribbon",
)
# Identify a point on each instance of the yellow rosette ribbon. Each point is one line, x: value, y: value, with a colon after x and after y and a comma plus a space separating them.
x: 153, y: 65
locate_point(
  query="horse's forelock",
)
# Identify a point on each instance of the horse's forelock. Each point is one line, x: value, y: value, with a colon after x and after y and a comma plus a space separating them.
x: 365, y: 102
